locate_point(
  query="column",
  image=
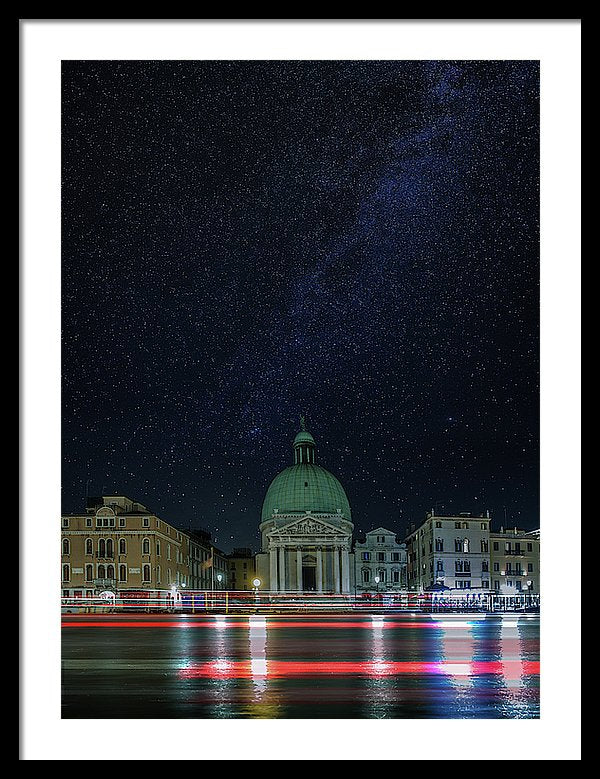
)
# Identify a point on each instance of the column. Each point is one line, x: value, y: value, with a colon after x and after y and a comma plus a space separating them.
x: 282, y: 568
x: 336, y: 569
x: 345, y: 571
x: 299, y: 569
x: 273, y: 569
x: 319, y: 570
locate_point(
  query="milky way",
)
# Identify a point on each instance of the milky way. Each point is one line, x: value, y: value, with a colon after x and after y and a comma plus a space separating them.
x: 244, y: 242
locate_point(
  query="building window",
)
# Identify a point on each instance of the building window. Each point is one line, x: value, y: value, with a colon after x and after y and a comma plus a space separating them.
x: 158, y: 549
x: 529, y: 567
x: 65, y: 523
x: 439, y: 545
x: 122, y: 546
x: 88, y: 522
x: 495, y: 546
x: 89, y: 549
x: 158, y: 574
x: 366, y: 575
x: 121, y: 521
x: 484, y: 546
x: 66, y: 546
x: 145, y: 546
x: 518, y: 584
x: 366, y: 556
x: 484, y: 565
x: 438, y: 524
x: 496, y: 584
x: 465, y: 525
x: 457, y: 525
x: 123, y: 573
x: 485, y: 584
x: 381, y: 573
x: 110, y: 572
x: 101, y: 548
x: 109, y: 548
x: 98, y: 521
x: 89, y: 573
x: 509, y: 583
x: 395, y: 557
x: 530, y: 547
x: 395, y: 576
x: 465, y: 545
x: 146, y: 573
x: 101, y: 572
x: 146, y: 522
x: 168, y: 553
x: 66, y: 572
x: 458, y: 565
x: 380, y: 557
x: 111, y: 522
x: 496, y: 566
x: 439, y: 566
x: 483, y: 526
x: 457, y: 545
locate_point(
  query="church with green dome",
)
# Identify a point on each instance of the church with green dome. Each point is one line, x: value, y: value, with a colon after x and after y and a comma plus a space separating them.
x: 306, y: 528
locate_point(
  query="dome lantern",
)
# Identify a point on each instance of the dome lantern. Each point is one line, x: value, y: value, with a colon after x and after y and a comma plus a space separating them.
x: 304, y: 446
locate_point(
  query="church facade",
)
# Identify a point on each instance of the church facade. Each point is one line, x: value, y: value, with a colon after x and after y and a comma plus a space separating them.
x: 306, y: 528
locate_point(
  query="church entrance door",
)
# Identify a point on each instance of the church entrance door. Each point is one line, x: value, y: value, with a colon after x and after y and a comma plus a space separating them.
x: 309, y: 578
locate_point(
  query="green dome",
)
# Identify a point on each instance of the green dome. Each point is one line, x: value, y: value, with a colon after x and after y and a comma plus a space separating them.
x: 304, y: 437
x: 305, y: 487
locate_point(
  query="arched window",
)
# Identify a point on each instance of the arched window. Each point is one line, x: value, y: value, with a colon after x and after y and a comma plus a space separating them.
x: 158, y: 574
x: 66, y: 546
x: 146, y: 575
x: 101, y: 548
x: 109, y: 548
x: 122, y: 546
x: 145, y: 546
x: 89, y: 573
x: 101, y: 572
x: 89, y: 546
x: 66, y: 573
x: 110, y: 572
x: 465, y: 545
x: 123, y: 573
x: 366, y: 575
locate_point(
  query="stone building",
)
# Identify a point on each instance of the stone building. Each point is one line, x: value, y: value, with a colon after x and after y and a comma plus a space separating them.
x: 449, y: 552
x: 306, y: 528
x: 380, y: 556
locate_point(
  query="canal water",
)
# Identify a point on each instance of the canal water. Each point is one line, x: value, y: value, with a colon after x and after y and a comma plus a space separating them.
x: 381, y: 666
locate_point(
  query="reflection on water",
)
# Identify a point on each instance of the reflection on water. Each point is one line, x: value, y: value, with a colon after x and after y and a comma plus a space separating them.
x: 379, y: 666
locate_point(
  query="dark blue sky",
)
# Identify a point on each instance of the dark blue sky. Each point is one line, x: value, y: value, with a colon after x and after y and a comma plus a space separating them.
x: 244, y: 242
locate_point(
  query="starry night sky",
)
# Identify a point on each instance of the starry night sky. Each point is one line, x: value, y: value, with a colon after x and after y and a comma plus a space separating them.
x: 244, y: 242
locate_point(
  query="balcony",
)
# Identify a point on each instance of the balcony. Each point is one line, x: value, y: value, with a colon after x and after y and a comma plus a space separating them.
x: 105, y: 583
x: 517, y: 573
x: 462, y: 573
x: 105, y: 556
x: 518, y: 552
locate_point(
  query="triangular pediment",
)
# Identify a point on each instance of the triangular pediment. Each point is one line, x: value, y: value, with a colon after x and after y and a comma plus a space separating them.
x: 308, y: 526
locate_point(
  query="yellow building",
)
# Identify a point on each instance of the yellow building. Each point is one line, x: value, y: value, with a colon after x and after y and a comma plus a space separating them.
x: 118, y: 544
x: 241, y: 569
x: 515, y: 561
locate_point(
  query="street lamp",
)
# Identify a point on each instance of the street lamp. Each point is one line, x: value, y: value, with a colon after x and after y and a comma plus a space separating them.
x: 256, y: 584
x: 219, y: 579
x: 377, y: 580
